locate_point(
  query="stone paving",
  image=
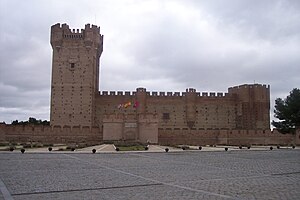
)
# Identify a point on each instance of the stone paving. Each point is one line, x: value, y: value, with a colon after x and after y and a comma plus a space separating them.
x: 235, y: 174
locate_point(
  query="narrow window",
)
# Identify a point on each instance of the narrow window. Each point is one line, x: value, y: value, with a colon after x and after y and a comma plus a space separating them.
x: 166, y: 116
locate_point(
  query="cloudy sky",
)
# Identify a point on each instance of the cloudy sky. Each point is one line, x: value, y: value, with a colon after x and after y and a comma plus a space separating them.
x: 163, y: 45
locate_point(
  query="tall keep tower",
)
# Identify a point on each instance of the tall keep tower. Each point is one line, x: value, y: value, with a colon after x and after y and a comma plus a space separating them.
x: 75, y: 74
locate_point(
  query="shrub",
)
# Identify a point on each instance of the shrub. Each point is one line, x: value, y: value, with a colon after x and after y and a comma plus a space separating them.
x: 82, y: 145
x: 185, y: 147
x: 4, y: 144
x: 26, y: 145
x: 40, y: 145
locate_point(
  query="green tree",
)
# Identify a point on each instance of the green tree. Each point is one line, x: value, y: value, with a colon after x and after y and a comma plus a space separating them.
x: 31, y: 120
x: 288, y: 112
x: 15, y: 122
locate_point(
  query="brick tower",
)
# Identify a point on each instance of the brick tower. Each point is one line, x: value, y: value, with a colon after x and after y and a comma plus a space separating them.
x: 253, y: 106
x: 75, y: 74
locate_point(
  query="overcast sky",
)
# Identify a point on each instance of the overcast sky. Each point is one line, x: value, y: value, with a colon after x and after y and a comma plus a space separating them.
x: 163, y: 45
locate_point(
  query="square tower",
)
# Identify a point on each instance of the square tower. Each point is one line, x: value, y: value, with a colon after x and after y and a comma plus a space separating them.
x: 75, y: 74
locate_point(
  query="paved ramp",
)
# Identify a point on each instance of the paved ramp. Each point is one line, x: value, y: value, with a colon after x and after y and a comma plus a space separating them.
x: 99, y: 148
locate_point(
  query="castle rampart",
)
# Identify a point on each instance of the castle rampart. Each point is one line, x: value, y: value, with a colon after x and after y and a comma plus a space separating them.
x: 165, y: 136
x: 189, y: 110
x: 48, y: 134
x: 164, y: 94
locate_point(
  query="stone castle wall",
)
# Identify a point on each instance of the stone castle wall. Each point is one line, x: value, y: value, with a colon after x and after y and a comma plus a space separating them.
x: 243, y: 107
x: 139, y: 127
x: 226, y: 137
x: 94, y: 135
x: 48, y: 134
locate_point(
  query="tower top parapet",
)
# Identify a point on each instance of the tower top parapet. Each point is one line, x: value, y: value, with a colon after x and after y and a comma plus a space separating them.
x: 250, y: 92
x: 62, y: 32
x: 247, y: 86
x: 65, y: 27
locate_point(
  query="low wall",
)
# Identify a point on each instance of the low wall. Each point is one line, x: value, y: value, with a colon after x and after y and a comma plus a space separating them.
x: 226, y: 137
x: 48, y: 134
x: 94, y: 135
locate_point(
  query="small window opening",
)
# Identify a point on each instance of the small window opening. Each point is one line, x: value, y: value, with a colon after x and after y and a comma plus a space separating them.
x: 166, y: 116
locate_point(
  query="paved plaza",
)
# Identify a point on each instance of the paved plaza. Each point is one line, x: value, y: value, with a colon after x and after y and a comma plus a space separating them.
x: 233, y: 174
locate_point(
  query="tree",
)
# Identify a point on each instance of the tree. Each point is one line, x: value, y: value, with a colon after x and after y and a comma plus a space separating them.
x: 288, y: 112
x: 15, y: 122
x: 31, y: 120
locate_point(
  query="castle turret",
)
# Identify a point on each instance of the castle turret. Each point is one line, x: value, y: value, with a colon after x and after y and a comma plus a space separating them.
x: 75, y: 74
x: 253, y: 106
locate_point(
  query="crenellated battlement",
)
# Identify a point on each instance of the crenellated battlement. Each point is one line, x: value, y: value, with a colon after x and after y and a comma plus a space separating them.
x: 61, y: 32
x: 247, y: 86
x: 65, y: 27
x: 251, y: 92
x: 164, y: 94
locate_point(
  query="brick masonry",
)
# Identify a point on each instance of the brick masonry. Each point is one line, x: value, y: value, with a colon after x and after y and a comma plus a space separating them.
x: 94, y: 135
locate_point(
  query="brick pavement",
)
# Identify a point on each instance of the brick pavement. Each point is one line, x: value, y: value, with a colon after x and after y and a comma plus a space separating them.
x: 175, y: 175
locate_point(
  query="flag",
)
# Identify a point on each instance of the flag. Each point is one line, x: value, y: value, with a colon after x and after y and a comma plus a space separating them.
x: 136, y: 104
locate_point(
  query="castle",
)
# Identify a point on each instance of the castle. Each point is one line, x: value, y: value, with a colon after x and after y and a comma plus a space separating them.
x: 76, y: 101
x: 81, y: 113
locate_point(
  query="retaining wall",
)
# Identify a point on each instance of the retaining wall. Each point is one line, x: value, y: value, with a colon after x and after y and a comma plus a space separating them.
x: 94, y: 135
x: 48, y: 134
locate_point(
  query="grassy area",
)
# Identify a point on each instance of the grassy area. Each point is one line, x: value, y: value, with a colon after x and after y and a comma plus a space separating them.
x: 8, y: 146
x: 66, y: 148
x: 131, y: 148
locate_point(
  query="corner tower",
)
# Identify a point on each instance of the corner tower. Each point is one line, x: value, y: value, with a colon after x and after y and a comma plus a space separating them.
x: 75, y: 74
x: 253, y: 106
